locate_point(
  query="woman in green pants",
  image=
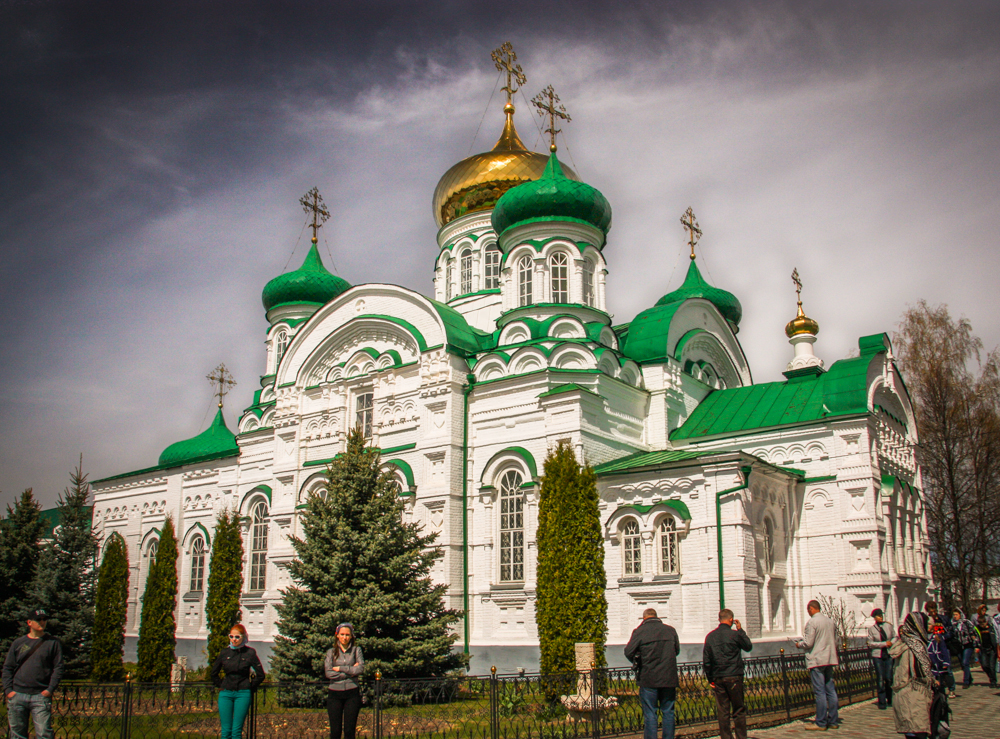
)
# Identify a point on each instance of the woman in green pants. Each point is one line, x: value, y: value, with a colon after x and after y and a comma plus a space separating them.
x: 243, y: 673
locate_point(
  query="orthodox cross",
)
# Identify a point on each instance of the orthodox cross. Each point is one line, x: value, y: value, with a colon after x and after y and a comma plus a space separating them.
x: 222, y: 380
x: 312, y: 202
x: 548, y: 104
x: 690, y: 224
x: 506, y: 61
x: 798, y: 286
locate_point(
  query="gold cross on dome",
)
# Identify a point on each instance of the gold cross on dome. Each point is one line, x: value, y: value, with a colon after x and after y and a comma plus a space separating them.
x: 690, y: 224
x: 798, y: 285
x: 548, y: 104
x: 312, y: 202
x: 223, y: 381
x: 506, y: 61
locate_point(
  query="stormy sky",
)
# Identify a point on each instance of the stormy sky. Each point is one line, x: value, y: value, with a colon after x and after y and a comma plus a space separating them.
x: 152, y: 155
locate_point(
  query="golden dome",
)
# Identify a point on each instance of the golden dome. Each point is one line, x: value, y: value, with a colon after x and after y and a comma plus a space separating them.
x: 476, y: 183
x: 801, y: 324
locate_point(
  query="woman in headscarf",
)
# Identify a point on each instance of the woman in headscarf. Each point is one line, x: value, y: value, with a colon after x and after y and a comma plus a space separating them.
x: 912, y: 680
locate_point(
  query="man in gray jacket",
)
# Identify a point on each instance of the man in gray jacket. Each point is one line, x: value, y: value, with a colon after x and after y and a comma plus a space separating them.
x: 820, y: 642
x: 879, y: 640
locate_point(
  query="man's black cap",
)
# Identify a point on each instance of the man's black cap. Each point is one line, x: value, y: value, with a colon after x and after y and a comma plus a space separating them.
x: 877, y: 612
x: 38, y: 614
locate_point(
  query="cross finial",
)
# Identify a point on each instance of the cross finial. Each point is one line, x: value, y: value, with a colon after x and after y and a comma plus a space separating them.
x: 312, y: 202
x: 690, y: 224
x: 222, y: 380
x: 506, y: 61
x: 548, y: 104
x: 798, y: 287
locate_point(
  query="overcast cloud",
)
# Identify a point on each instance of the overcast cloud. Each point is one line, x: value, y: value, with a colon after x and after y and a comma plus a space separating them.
x: 152, y: 156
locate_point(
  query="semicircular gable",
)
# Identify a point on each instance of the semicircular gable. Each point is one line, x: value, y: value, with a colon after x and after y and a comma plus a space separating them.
x: 572, y: 357
x: 527, y: 359
x: 698, y: 332
x: 567, y: 327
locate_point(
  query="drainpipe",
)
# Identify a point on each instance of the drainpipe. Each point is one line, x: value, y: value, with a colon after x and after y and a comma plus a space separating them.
x: 718, y: 529
x: 470, y: 379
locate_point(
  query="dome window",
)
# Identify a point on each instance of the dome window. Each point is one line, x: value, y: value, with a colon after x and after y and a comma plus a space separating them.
x: 280, y: 344
x: 524, y: 280
x: 559, y: 273
x: 588, y: 283
x: 447, y: 282
x: 492, y: 268
x: 466, y: 273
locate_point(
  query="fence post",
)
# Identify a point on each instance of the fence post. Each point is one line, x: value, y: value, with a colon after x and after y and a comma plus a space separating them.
x: 377, y: 719
x: 494, y: 704
x: 126, y: 706
x: 847, y: 671
x: 595, y: 714
x: 784, y: 683
x: 252, y: 718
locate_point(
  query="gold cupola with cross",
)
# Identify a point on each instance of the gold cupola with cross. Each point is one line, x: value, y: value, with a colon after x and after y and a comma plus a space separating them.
x: 477, y: 182
x: 801, y: 332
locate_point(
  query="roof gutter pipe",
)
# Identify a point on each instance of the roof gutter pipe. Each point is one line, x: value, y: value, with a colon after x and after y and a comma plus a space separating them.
x: 718, y: 530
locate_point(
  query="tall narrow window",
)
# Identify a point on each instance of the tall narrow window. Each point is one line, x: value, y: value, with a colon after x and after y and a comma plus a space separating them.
x: 280, y: 344
x: 198, y: 565
x: 492, y: 270
x: 466, y: 266
x: 632, y: 548
x: 559, y: 273
x: 365, y: 414
x: 447, y: 281
x: 525, y: 266
x: 151, y: 551
x: 258, y: 547
x: 589, y: 291
x: 511, y: 528
x: 668, y: 547
x: 768, y: 546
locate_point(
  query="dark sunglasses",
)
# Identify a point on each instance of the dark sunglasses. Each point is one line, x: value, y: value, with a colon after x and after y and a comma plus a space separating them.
x: 236, y: 636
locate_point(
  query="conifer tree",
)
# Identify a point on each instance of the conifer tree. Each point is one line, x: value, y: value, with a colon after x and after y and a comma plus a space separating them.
x: 359, y: 562
x: 19, y: 535
x: 157, y: 626
x: 571, y: 605
x: 225, y: 581
x: 66, y: 576
x: 108, y: 649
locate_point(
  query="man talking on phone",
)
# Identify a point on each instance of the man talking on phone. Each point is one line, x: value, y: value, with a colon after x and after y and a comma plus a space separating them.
x: 723, y: 663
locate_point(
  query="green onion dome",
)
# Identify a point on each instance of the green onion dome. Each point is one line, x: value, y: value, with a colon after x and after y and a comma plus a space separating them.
x: 552, y: 197
x: 695, y: 287
x: 215, y: 442
x: 310, y: 283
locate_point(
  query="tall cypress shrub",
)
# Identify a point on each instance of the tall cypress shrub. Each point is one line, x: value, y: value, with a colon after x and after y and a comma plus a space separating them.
x: 108, y: 648
x: 157, y: 625
x: 571, y: 605
x: 66, y: 576
x: 225, y: 581
x: 19, y: 535
x: 359, y: 562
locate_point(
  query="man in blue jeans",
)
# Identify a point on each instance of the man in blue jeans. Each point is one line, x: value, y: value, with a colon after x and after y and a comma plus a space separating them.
x: 652, y: 650
x: 820, y: 642
x: 31, y: 673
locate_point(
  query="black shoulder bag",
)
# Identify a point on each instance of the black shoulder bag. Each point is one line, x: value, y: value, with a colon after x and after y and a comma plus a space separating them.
x: 26, y: 657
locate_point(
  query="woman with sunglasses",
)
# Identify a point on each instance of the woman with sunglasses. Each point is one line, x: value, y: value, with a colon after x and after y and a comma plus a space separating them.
x: 243, y: 673
x: 343, y: 665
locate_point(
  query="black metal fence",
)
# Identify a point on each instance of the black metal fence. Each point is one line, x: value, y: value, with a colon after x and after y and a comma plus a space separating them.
x: 601, y: 703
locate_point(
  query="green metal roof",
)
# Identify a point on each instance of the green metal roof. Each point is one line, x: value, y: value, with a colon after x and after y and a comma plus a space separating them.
x: 803, y: 398
x: 695, y: 286
x: 553, y: 196
x: 460, y: 335
x: 645, y: 459
x: 213, y: 443
x: 51, y: 518
x: 310, y: 283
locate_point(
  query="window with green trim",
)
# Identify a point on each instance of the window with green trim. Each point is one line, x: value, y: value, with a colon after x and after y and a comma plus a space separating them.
x: 511, y: 528
x: 258, y: 547
x: 447, y: 281
x: 631, y: 548
x: 280, y: 345
x: 197, y: 565
x: 559, y: 274
x: 525, y: 278
x: 669, y: 564
x: 589, y: 293
x: 491, y: 271
x: 465, y: 263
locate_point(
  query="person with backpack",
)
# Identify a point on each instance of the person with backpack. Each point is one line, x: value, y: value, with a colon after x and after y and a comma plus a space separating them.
x: 968, y: 640
x: 31, y: 674
x: 988, y: 649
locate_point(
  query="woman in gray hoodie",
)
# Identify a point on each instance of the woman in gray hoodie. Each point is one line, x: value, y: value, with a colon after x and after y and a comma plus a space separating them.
x: 343, y: 665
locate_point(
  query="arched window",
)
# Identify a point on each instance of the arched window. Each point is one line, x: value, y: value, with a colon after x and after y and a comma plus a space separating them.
x: 365, y: 414
x: 768, y: 546
x: 447, y: 281
x: 632, y: 548
x: 151, y: 551
x: 511, y: 528
x: 669, y: 564
x: 466, y: 274
x: 258, y: 547
x: 559, y: 273
x: 280, y: 344
x: 589, y: 291
x: 525, y: 266
x: 198, y: 565
x: 492, y: 268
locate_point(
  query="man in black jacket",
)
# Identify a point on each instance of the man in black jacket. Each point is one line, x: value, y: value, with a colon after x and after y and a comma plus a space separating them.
x: 723, y: 663
x: 31, y: 673
x: 653, y: 650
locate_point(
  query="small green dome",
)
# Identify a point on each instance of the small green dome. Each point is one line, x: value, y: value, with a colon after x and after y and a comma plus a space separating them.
x: 213, y: 443
x: 695, y: 287
x: 310, y: 283
x: 552, y: 197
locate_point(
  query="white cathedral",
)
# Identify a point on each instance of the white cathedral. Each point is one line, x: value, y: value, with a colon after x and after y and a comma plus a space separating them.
x: 713, y: 489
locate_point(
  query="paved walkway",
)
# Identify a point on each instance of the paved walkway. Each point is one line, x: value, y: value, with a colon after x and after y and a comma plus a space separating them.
x: 975, y: 715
